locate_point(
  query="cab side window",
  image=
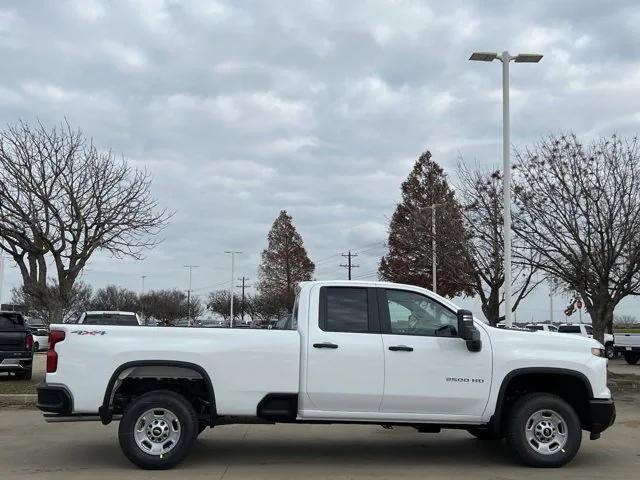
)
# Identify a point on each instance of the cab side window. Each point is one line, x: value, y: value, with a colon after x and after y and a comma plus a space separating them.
x: 411, y: 313
x: 346, y: 309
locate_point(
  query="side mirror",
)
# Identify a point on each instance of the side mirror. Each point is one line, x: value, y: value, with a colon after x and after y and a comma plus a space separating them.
x: 468, y: 332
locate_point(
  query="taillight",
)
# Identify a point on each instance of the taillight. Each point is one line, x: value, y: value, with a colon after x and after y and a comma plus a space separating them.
x: 28, y: 342
x: 55, y: 336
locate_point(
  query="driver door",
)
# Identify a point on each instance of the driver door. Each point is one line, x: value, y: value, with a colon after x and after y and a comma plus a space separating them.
x: 428, y: 369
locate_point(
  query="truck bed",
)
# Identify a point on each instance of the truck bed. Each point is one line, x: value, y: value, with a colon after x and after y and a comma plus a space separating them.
x: 244, y: 364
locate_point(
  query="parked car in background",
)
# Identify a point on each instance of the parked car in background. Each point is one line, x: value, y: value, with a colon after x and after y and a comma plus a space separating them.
x: 628, y: 345
x: 109, y: 318
x: 356, y: 352
x: 586, y: 330
x: 545, y: 327
x: 16, y: 345
x: 40, y: 333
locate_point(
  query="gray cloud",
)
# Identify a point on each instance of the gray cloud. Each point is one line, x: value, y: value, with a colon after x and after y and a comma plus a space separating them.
x: 240, y: 109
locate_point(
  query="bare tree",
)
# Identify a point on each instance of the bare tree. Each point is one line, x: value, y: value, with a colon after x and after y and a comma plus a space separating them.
x: 578, y: 214
x: 61, y: 200
x: 113, y: 297
x: 219, y: 302
x: 167, y: 306
x: 480, y: 193
x: 70, y: 306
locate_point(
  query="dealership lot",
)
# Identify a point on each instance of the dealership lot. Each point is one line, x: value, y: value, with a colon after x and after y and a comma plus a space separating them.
x: 32, y: 449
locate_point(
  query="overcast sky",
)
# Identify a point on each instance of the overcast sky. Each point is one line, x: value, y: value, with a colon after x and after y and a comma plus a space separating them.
x: 242, y: 109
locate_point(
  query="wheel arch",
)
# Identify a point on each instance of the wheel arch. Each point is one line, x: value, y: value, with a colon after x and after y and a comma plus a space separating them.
x: 106, y: 410
x: 521, y: 374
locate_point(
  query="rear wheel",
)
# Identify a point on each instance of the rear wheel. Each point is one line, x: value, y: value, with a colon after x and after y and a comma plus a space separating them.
x: 157, y: 430
x: 544, y: 430
x: 36, y: 347
x: 26, y: 374
x: 632, y: 358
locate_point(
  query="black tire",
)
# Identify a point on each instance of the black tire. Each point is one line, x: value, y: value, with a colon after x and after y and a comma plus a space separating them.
x: 631, y: 358
x: 26, y: 375
x: 36, y: 347
x: 526, y: 452
x: 161, y: 400
x: 485, y: 433
x: 609, y: 351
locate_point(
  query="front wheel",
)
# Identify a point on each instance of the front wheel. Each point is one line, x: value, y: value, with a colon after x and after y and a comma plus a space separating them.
x: 544, y: 430
x: 632, y: 358
x: 158, y: 430
x: 609, y: 351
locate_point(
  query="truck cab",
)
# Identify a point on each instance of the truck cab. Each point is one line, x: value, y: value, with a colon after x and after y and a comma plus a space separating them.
x: 353, y: 352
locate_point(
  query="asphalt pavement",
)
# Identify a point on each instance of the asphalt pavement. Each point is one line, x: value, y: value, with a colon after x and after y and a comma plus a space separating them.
x: 33, y: 449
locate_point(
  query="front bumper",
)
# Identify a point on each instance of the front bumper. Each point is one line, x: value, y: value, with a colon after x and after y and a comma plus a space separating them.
x: 54, y: 399
x: 627, y: 349
x: 602, y: 415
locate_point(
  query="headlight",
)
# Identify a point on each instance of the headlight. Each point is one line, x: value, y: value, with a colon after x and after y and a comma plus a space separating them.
x: 597, y: 351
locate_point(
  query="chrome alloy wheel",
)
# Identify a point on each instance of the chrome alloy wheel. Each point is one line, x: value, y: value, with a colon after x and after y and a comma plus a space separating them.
x: 157, y: 431
x: 546, y: 432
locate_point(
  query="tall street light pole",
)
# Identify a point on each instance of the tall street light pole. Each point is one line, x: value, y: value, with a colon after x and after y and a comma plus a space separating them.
x: 233, y: 254
x: 506, y: 58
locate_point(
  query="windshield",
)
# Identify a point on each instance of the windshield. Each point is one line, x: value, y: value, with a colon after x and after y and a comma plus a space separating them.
x: 110, y: 319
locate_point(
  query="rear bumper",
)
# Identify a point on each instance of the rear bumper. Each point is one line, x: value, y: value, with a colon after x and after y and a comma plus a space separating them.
x: 603, y: 414
x: 15, y: 361
x: 627, y: 349
x: 54, y: 399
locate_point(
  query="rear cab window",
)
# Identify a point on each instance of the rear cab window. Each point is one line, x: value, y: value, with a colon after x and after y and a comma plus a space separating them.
x: 110, y: 319
x: 569, y: 329
x: 11, y: 321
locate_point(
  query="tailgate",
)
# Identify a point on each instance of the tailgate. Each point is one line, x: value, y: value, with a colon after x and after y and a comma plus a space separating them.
x: 11, y: 341
x: 627, y: 340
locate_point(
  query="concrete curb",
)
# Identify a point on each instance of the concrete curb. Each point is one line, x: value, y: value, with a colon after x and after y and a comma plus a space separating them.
x: 18, y: 399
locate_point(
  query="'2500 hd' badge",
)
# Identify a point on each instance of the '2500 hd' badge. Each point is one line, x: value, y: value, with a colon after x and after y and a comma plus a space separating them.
x: 89, y: 332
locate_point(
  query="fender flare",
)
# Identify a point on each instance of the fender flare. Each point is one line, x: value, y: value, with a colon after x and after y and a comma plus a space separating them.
x: 496, y: 418
x: 106, y: 410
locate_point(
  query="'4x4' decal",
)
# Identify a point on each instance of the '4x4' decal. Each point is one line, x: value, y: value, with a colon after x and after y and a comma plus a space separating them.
x: 89, y: 332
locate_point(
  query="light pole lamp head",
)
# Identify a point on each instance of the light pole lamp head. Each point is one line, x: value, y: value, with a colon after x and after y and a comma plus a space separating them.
x: 528, y: 58
x: 483, y: 56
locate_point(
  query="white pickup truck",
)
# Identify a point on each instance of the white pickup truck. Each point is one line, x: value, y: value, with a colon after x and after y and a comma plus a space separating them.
x: 358, y: 352
x: 628, y: 345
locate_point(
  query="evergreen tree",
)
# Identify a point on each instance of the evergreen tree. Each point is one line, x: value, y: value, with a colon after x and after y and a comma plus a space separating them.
x: 409, y: 259
x: 284, y: 264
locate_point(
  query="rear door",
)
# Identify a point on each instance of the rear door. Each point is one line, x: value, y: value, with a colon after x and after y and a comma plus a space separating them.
x: 345, y: 359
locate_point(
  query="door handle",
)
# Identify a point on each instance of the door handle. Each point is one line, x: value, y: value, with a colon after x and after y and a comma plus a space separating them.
x: 401, y: 348
x: 325, y: 345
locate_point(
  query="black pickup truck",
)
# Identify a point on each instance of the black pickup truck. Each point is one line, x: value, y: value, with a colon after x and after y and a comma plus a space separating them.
x: 16, y: 345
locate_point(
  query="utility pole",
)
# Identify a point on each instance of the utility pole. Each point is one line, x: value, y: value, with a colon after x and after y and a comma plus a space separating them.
x: 233, y: 256
x: 141, y: 303
x: 243, y: 286
x: 550, y: 305
x: 433, y: 248
x: 190, y: 267
x: 349, y: 265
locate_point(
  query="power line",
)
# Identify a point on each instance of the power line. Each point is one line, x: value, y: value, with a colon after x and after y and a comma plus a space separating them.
x: 349, y: 265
